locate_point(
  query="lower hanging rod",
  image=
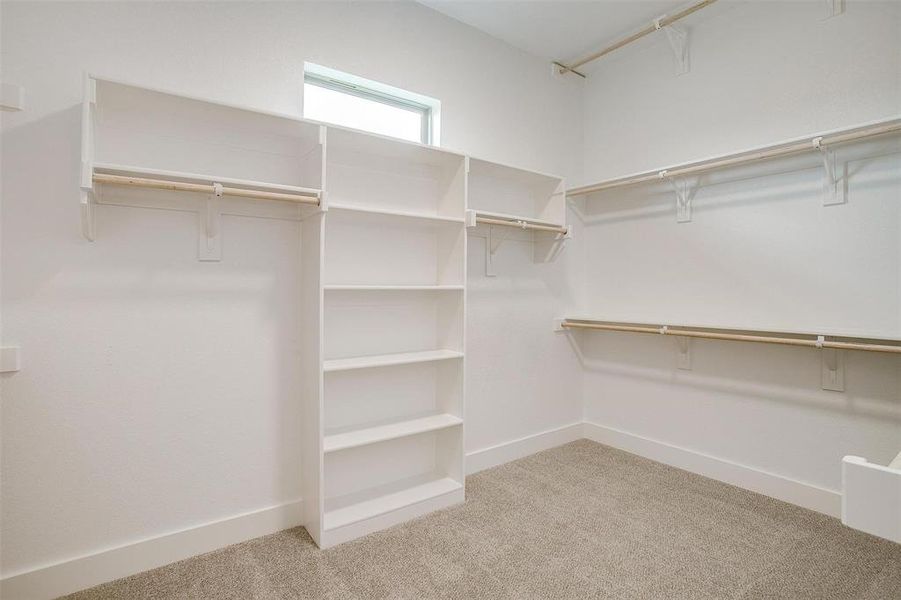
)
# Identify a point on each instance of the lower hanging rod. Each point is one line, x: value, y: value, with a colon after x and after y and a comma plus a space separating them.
x: 205, y: 188
x: 797, y: 146
x: 820, y: 342
x: 521, y: 225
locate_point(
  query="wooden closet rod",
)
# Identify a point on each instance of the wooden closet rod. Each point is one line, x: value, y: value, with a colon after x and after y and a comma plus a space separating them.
x: 662, y: 22
x: 821, y: 342
x: 767, y: 152
x: 521, y: 225
x: 205, y: 188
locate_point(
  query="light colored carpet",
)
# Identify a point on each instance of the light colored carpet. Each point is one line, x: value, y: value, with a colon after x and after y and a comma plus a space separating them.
x: 579, y: 521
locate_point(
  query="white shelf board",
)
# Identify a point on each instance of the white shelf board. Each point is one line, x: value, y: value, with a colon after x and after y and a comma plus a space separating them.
x: 387, y: 212
x: 388, y: 431
x: 509, y: 217
x: 387, y: 360
x: 346, y: 138
x: 386, y: 500
x: 135, y: 171
x: 409, y: 288
x: 496, y: 170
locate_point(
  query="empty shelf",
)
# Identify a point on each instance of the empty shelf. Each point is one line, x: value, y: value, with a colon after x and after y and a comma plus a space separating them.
x: 438, y: 288
x: 387, y: 360
x: 388, y: 212
x: 392, y: 500
x: 389, y: 431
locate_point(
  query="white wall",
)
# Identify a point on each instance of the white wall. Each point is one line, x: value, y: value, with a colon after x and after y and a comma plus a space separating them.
x: 159, y: 393
x: 761, y: 249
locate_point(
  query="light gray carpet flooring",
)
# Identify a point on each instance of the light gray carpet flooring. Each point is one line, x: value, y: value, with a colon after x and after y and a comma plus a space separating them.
x: 579, y: 521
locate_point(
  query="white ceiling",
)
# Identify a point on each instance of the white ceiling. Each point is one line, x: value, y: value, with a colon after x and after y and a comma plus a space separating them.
x: 562, y: 30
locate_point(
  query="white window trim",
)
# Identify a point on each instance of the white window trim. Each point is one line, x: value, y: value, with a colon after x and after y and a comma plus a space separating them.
x: 378, y: 92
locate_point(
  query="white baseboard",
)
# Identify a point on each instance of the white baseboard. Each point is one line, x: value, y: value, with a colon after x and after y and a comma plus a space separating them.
x: 87, y: 571
x: 769, y: 484
x: 499, y: 454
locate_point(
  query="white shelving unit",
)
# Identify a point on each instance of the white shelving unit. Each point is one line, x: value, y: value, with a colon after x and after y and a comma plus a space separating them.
x: 383, y: 258
x: 394, y: 284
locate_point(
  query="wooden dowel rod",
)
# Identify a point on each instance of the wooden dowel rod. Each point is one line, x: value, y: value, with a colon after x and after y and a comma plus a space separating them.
x: 745, y: 157
x: 668, y: 20
x: 521, y: 225
x: 764, y: 339
x: 204, y: 188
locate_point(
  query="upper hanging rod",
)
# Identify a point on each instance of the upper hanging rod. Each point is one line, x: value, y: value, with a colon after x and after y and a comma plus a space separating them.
x: 763, y: 153
x: 654, y: 26
x: 206, y: 188
x: 819, y: 342
x: 521, y: 224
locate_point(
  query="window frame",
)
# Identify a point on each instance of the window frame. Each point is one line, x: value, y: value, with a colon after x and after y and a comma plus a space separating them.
x: 353, y: 89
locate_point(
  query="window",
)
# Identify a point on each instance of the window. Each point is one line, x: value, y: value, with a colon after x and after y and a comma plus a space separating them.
x: 351, y: 101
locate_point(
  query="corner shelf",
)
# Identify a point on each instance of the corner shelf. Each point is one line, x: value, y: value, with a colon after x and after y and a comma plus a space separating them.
x: 512, y: 193
x: 388, y: 360
x: 380, y: 433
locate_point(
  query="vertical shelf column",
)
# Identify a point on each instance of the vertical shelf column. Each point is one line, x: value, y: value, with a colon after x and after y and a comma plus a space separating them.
x: 389, y: 444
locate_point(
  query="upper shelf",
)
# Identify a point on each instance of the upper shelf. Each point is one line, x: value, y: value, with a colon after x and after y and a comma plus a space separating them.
x: 510, y: 193
x: 368, y: 172
x: 158, y: 131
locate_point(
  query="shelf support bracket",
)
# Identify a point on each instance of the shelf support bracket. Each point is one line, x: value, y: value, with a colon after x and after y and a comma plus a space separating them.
x: 683, y: 353
x: 833, y: 187
x: 209, y: 246
x: 833, y: 8
x: 678, y: 42
x: 492, y: 244
x: 88, y: 202
x: 684, y: 191
x: 833, y: 367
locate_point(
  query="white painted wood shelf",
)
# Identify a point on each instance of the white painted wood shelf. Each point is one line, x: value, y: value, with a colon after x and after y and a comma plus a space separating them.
x: 392, y: 288
x: 359, y: 508
x: 388, y: 431
x: 387, y: 360
x: 402, y: 214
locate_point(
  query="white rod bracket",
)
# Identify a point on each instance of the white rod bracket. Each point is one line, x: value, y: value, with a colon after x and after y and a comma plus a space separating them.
x: 12, y: 97
x: 833, y: 187
x: 683, y: 353
x: 491, y: 247
x: 684, y: 193
x: 209, y: 246
x: 88, y: 201
x: 87, y: 215
x: 833, y: 369
x: 833, y: 8
x: 678, y: 42
x: 10, y: 359
x: 558, y: 325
